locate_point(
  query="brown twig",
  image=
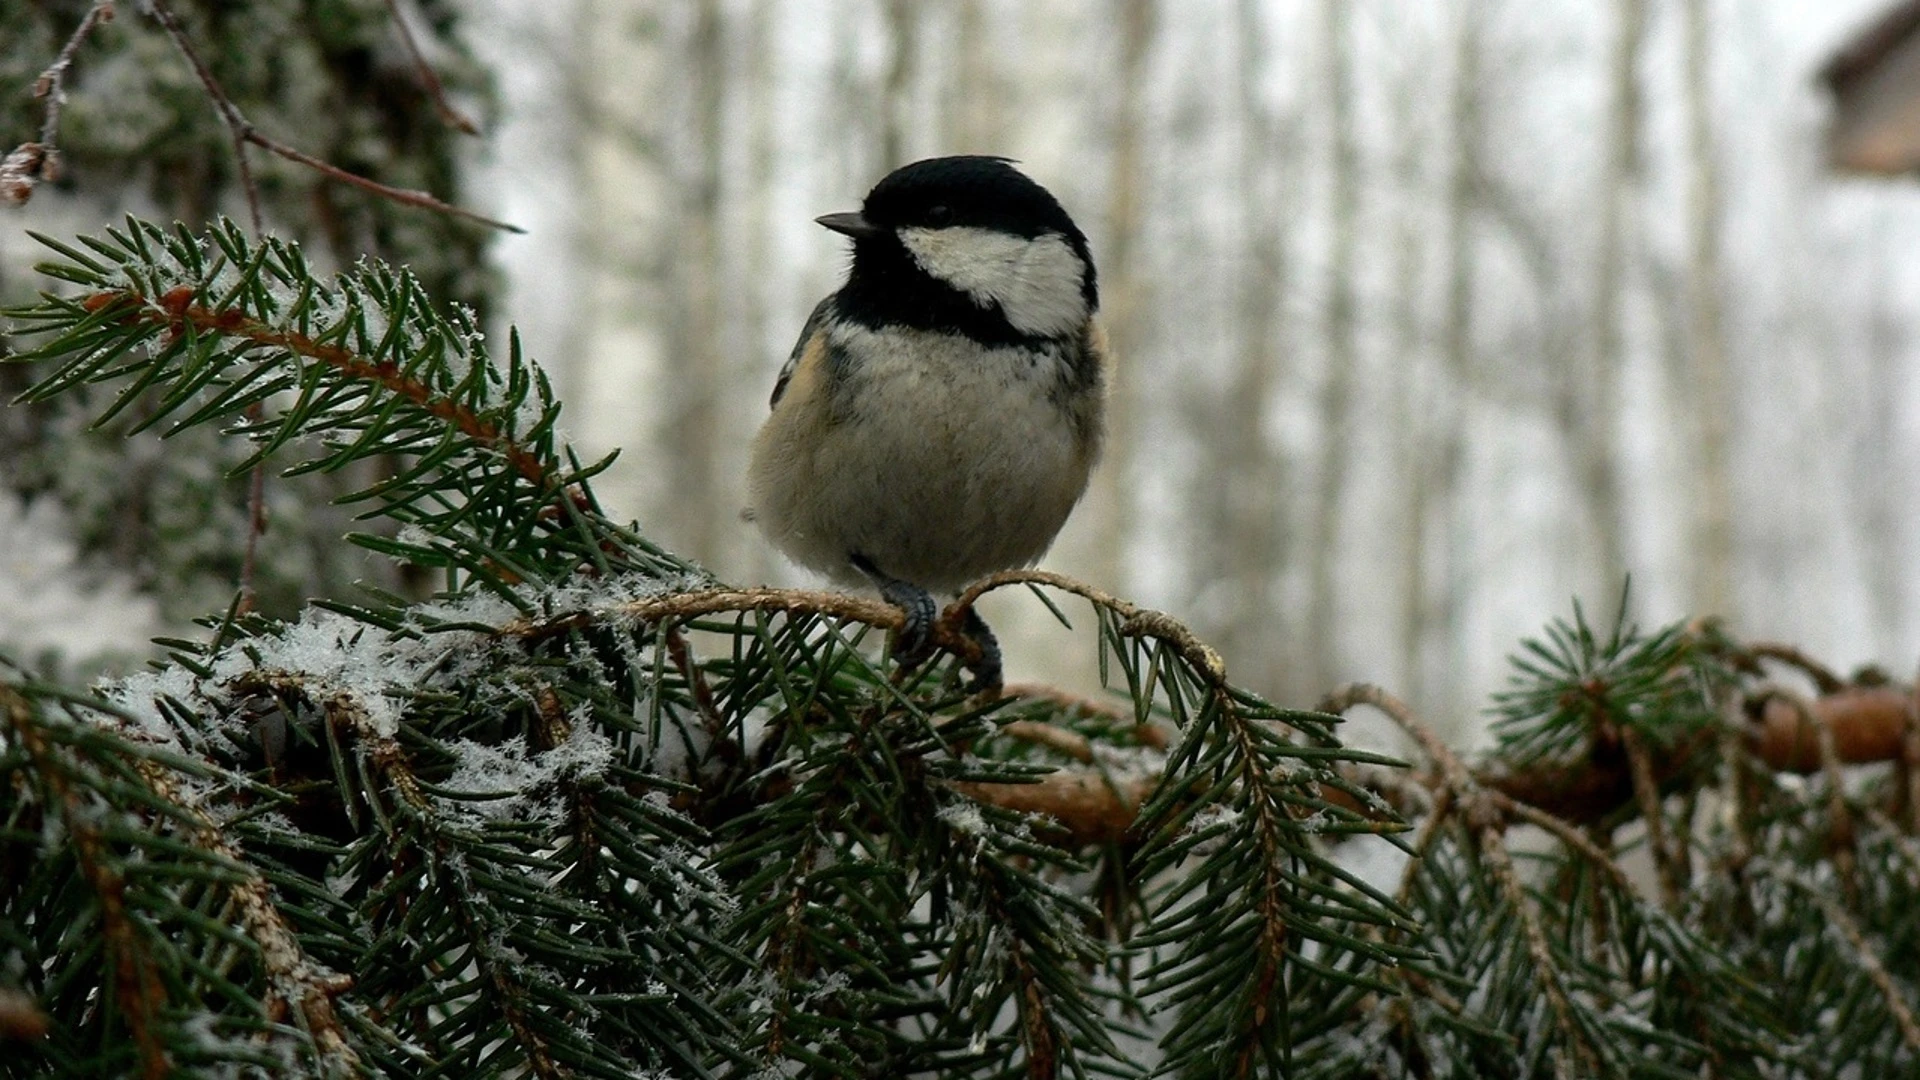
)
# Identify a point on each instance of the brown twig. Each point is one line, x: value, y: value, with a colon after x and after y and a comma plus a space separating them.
x: 237, y: 128
x: 1423, y: 841
x: 1824, y: 679
x: 52, y: 82
x: 429, y: 78
x: 1493, y: 852
x: 244, y: 132
x: 1646, y: 792
x: 683, y: 662
x: 1135, y: 621
x: 31, y: 163
x: 404, y: 196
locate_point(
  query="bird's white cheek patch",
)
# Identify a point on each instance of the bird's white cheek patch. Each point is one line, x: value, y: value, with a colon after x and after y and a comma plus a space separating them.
x: 1036, y: 282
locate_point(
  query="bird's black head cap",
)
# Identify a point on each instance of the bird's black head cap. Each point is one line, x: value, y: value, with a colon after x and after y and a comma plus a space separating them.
x: 975, y: 190
x: 987, y: 192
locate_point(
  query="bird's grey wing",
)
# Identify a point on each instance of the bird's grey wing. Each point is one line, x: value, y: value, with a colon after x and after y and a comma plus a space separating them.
x: 815, y: 322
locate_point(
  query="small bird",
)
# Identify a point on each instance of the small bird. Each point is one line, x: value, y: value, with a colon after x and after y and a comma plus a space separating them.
x: 941, y: 413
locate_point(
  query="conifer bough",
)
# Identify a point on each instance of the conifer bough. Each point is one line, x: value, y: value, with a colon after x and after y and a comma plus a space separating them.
x: 588, y: 812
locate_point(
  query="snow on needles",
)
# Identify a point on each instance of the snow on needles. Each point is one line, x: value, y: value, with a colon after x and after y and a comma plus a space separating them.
x: 331, y: 654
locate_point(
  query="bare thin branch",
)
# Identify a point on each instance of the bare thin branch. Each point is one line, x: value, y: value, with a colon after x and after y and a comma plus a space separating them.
x: 1824, y: 679
x: 30, y: 163
x: 244, y: 133
x: 52, y: 82
x: 238, y: 128
x: 429, y: 78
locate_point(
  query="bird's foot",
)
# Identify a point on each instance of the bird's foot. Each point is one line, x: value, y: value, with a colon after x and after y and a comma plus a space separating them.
x: 987, y: 678
x: 913, y: 642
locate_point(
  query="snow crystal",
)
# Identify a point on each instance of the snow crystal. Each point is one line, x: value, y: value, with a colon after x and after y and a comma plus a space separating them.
x: 139, y: 696
x: 1315, y: 823
x: 963, y: 816
x: 526, y: 782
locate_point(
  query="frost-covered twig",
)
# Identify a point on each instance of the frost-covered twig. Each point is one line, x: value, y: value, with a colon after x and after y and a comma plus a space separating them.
x: 30, y: 163
x: 1135, y: 621
x: 1868, y: 959
x: 1485, y: 813
x: 299, y: 988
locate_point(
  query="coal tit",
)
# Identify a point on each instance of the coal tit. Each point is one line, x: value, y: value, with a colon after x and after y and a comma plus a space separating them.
x: 940, y: 414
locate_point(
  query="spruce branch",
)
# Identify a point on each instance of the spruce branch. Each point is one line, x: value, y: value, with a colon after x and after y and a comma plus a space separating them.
x: 137, y: 987
x: 1867, y: 957
x: 198, y: 969
x: 364, y: 366
x: 587, y: 812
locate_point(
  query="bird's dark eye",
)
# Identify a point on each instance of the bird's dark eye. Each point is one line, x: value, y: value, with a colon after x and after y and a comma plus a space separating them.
x: 940, y: 215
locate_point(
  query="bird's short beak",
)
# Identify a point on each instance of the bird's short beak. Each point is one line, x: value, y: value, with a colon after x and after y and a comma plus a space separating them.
x: 850, y: 224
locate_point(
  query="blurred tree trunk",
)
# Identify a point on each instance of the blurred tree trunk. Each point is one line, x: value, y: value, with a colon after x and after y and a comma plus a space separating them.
x: 1412, y: 387
x: 1592, y: 409
x: 1247, y: 532
x: 1110, y: 503
x: 977, y: 104
x: 694, y: 362
x: 1713, y: 545
x: 754, y: 347
x: 1323, y: 621
x: 896, y: 99
x: 1438, y: 612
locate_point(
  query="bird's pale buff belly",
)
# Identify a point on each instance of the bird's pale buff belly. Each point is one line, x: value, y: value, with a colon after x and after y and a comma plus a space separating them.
x: 954, y: 465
